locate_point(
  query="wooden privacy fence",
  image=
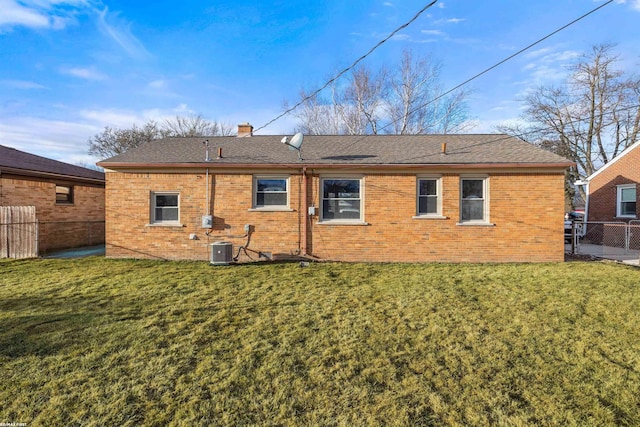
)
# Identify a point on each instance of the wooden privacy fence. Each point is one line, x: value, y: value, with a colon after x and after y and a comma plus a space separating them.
x: 18, y: 232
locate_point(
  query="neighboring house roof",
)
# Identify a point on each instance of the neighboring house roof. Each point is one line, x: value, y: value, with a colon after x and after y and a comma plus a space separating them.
x: 614, y: 160
x: 340, y: 150
x: 20, y: 163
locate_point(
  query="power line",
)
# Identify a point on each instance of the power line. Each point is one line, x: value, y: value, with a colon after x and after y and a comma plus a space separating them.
x: 469, y: 80
x: 533, y: 131
x: 498, y: 138
x: 497, y: 64
x: 306, y: 98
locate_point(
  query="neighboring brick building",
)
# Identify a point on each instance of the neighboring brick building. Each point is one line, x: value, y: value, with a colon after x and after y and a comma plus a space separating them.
x: 69, y: 200
x: 449, y: 198
x: 612, y: 191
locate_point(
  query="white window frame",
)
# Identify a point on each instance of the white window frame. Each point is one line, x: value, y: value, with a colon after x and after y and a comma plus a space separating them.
x: 153, y: 219
x: 438, y: 196
x: 361, y: 199
x: 485, y: 199
x: 619, y: 201
x: 254, y: 203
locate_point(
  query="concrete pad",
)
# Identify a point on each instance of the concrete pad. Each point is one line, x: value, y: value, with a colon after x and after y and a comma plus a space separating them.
x: 631, y: 257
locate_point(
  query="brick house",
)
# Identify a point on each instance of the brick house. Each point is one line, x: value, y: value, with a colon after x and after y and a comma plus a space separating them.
x: 68, y: 199
x: 612, y: 190
x: 380, y: 198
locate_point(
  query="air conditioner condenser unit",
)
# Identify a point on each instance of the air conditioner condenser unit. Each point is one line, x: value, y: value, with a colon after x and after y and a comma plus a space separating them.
x: 221, y: 253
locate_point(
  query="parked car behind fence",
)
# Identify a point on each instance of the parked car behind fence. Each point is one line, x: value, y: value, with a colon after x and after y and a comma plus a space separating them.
x: 569, y: 219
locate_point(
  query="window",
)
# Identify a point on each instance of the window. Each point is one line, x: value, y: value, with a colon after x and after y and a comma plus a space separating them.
x: 626, y: 205
x: 341, y: 199
x: 428, y: 197
x: 473, y: 200
x: 270, y: 192
x: 165, y: 208
x: 64, y: 194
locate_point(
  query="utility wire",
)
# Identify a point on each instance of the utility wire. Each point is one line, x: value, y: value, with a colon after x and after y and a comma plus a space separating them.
x: 496, y: 65
x: 505, y: 60
x: 533, y: 131
x: 306, y: 98
x: 576, y: 120
x: 500, y: 138
x: 510, y: 57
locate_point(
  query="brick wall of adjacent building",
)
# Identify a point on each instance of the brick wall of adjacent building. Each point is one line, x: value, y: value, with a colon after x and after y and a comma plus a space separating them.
x: 527, y: 210
x: 603, y: 187
x: 59, y: 225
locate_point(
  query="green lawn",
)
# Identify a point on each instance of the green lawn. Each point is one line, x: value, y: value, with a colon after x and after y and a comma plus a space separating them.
x: 119, y: 342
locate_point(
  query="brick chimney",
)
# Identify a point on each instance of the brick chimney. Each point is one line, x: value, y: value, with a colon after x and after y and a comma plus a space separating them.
x: 245, y: 129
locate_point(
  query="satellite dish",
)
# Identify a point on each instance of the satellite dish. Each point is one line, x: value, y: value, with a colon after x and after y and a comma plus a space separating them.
x: 295, y: 143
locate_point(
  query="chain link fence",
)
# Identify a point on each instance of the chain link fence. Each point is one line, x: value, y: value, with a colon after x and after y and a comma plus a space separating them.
x: 634, y: 235
x: 614, y: 240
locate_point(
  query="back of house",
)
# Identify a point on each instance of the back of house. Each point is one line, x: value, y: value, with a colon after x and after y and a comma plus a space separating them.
x: 379, y: 198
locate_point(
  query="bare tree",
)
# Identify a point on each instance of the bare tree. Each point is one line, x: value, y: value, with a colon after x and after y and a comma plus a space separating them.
x: 359, y: 103
x: 415, y: 102
x: 591, y: 118
x: 113, y: 141
x: 194, y: 125
x: 317, y: 117
x: 351, y: 109
x: 408, y: 99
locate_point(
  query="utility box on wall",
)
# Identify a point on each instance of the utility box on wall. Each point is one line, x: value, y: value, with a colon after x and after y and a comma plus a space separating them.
x: 207, y: 221
x: 221, y: 253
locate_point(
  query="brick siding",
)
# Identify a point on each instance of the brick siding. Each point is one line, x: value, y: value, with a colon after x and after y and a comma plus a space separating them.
x: 60, y: 225
x: 527, y: 210
x: 603, y: 187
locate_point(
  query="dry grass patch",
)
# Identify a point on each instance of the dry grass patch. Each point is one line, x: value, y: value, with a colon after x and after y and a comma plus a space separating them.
x: 118, y: 342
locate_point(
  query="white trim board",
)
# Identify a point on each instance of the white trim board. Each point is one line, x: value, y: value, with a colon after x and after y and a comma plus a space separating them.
x: 615, y: 159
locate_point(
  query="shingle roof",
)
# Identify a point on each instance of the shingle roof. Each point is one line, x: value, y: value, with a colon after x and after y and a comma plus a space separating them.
x: 19, y: 162
x: 371, y: 150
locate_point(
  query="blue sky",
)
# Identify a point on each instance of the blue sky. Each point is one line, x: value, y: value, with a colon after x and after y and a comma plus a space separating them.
x: 68, y: 68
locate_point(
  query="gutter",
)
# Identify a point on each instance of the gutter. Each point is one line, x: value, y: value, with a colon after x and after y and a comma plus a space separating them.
x: 38, y: 174
x: 383, y: 166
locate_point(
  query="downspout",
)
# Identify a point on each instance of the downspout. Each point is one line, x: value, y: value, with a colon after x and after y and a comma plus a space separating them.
x: 586, y: 193
x: 586, y: 202
x: 207, y: 191
x: 305, y: 213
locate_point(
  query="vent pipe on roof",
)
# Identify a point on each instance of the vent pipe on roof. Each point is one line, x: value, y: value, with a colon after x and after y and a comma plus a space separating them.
x: 219, y: 153
x: 206, y: 145
x: 444, y: 148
